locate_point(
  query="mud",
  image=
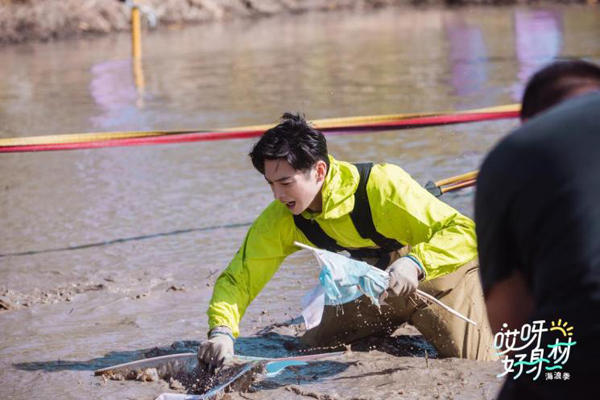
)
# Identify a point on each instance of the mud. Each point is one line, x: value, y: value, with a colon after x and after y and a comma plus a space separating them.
x: 403, y: 365
x: 12, y: 299
x: 57, y: 334
x: 192, y: 380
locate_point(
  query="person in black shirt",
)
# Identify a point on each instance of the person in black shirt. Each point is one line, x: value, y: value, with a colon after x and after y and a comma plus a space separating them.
x: 537, y: 214
x: 558, y: 82
x: 551, y: 85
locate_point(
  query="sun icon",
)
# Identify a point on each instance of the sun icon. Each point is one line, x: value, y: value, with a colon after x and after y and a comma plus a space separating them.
x: 564, y: 328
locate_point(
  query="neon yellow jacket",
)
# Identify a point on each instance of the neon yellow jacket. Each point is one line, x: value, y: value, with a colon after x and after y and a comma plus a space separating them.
x: 441, y: 238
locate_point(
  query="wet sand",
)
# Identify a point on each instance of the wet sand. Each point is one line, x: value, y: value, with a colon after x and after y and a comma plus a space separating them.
x: 130, y: 314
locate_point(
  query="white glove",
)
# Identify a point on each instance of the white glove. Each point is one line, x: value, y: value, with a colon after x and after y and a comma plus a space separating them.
x: 404, y: 277
x: 219, y: 346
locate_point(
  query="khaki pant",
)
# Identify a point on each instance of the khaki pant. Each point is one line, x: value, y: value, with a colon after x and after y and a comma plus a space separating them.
x: 450, y: 335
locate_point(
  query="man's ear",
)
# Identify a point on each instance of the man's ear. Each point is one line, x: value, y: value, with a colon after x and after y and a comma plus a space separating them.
x: 321, y: 169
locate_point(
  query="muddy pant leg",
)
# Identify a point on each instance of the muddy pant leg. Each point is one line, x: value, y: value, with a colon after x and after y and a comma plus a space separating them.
x: 451, y: 336
x: 356, y: 320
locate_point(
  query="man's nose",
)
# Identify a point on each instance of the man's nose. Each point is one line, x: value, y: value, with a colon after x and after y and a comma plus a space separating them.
x: 277, y: 193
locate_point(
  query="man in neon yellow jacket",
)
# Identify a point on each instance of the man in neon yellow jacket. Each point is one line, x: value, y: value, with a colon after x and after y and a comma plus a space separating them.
x: 422, y: 241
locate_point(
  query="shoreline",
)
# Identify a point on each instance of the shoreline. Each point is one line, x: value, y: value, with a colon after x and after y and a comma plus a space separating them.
x: 24, y: 21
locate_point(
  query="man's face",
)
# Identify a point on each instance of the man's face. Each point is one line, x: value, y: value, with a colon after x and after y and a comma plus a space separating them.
x: 298, y: 190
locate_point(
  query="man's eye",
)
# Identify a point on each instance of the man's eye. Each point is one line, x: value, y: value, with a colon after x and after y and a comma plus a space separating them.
x: 286, y: 183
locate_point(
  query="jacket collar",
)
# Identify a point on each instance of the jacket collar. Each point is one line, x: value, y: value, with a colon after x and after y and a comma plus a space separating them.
x: 338, y: 191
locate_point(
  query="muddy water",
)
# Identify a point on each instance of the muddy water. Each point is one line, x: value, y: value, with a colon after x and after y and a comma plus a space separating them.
x: 142, y: 284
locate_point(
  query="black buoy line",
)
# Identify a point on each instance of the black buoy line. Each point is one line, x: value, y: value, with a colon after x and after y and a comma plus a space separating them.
x: 129, y: 239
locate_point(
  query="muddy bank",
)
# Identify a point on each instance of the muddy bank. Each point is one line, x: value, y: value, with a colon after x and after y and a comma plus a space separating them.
x: 24, y: 20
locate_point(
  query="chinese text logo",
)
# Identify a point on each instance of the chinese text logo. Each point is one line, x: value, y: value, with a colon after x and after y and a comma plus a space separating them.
x: 522, y: 350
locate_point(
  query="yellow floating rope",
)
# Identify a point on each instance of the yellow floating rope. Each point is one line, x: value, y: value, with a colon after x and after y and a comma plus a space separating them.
x: 321, y: 124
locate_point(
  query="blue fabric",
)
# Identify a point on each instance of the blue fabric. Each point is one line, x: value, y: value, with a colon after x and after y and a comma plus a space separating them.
x: 344, y: 280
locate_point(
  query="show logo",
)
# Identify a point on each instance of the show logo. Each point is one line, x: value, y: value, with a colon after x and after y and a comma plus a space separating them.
x: 522, y: 350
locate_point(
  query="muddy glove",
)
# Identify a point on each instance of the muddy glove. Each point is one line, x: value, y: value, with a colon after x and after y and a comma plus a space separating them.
x: 404, y: 277
x: 212, y: 352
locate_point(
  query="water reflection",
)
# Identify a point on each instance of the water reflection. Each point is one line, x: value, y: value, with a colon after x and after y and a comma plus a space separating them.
x: 538, y: 41
x: 117, y: 87
x: 538, y: 38
x: 468, y: 58
x: 140, y: 82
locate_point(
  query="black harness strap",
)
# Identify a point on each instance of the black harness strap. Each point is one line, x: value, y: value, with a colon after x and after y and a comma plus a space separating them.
x: 362, y: 219
x: 361, y: 214
x: 313, y: 232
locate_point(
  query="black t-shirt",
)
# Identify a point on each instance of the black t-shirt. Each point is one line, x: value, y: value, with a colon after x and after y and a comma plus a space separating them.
x: 538, y: 211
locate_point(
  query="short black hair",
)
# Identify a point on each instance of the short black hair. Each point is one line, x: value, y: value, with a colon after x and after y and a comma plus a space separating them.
x: 555, y: 83
x: 293, y: 140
